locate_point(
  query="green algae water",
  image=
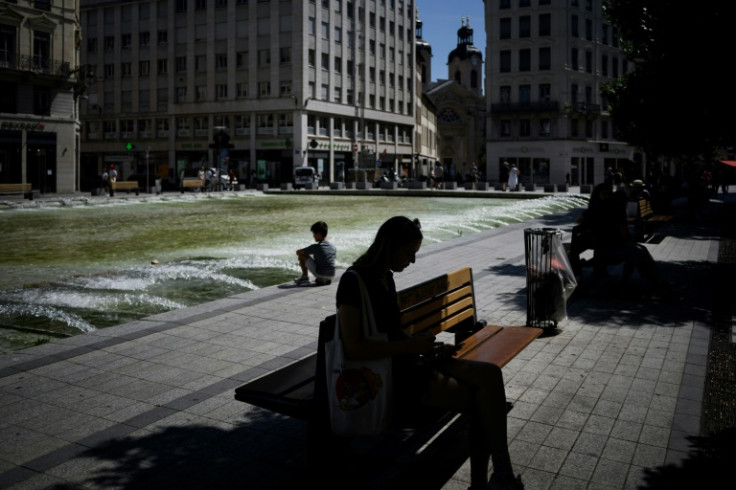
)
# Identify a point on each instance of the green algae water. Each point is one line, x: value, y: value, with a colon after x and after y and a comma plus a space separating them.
x: 66, y: 270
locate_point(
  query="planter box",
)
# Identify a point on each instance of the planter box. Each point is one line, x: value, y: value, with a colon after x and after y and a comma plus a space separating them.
x: 350, y: 185
x: 586, y: 189
x: 286, y: 186
x: 311, y: 186
x: 364, y: 185
x: 262, y: 187
x: 561, y: 187
x: 416, y: 185
x: 337, y: 185
x: 531, y: 188
x: 550, y: 188
x: 449, y: 185
x: 389, y: 185
x: 482, y: 186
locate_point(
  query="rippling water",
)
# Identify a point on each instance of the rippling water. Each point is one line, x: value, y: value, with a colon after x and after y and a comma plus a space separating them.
x: 72, y: 269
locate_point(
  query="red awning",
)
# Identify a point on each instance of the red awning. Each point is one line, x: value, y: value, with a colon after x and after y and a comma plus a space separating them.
x: 731, y: 163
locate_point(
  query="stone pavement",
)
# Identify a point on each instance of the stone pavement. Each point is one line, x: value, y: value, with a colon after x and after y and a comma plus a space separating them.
x: 605, y: 403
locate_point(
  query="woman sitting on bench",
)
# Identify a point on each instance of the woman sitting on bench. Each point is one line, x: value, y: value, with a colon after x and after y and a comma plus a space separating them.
x: 470, y: 387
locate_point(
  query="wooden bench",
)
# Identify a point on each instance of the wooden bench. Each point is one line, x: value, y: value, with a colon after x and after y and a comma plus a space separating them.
x: 193, y: 184
x: 22, y: 188
x: 443, y: 304
x: 126, y: 185
x: 645, y: 219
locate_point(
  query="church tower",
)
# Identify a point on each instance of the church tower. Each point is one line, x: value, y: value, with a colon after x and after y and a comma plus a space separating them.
x: 465, y: 62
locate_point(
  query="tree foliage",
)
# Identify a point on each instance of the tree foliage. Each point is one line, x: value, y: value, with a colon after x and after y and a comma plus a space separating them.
x: 679, y: 100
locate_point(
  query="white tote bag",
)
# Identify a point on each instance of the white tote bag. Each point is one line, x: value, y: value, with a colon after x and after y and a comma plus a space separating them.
x: 358, y: 392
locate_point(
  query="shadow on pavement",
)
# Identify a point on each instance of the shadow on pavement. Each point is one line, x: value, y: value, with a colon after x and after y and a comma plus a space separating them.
x: 708, y: 465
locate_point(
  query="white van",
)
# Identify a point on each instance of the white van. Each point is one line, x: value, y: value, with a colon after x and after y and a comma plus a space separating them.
x: 303, y: 175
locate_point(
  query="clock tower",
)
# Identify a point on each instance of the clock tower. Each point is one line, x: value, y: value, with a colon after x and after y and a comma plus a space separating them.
x: 465, y: 62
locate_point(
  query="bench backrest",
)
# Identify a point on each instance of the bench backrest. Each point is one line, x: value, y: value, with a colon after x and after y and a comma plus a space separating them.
x: 23, y: 187
x: 439, y: 304
x: 645, y: 208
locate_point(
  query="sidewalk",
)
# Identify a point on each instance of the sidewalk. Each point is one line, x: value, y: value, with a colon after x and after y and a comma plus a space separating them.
x: 150, y: 404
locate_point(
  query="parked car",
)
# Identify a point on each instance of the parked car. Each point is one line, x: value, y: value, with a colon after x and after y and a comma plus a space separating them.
x: 304, y: 175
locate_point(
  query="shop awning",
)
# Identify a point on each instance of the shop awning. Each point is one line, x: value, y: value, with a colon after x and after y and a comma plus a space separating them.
x: 731, y: 163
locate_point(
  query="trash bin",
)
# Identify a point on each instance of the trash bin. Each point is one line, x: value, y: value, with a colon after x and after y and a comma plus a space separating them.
x: 549, y: 277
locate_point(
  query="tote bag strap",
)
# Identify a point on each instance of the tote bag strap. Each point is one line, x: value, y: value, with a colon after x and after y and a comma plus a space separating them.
x: 369, y: 322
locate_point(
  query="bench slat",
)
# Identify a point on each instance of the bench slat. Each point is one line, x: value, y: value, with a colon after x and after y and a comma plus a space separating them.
x: 418, y: 294
x: 411, y: 314
x: 443, y: 319
x: 506, y: 343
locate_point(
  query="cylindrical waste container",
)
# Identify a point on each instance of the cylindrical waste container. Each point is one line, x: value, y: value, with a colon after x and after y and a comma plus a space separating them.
x: 549, y: 277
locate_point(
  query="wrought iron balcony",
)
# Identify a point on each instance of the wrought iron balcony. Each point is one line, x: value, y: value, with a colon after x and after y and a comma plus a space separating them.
x: 525, y: 107
x: 585, y: 107
x: 35, y: 64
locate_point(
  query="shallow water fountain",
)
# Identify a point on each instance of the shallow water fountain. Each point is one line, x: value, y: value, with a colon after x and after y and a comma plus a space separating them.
x: 67, y: 270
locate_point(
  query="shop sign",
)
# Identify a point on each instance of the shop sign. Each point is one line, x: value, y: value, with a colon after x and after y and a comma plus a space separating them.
x: 275, y: 144
x: 22, y: 125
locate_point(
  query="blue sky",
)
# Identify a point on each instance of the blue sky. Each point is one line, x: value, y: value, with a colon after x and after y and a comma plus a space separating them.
x: 441, y: 19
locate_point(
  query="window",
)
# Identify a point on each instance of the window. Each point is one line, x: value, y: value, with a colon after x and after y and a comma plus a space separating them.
x: 285, y: 88
x: 604, y: 65
x: 338, y: 34
x: 325, y: 61
x: 545, y: 58
x: 325, y: 92
x: 181, y: 94
x: 325, y: 30
x: 264, y: 89
x: 181, y: 63
x: 574, y: 31
x: 241, y: 90
x: 574, y: 59
x: 221, y: 61
x: 181, y: 6
x: 545, y: 24
x: 525, y: 26
x: 589, y: 29
x: 589, y: 62
x: 91, y: 46
x: 109, y: 43
x: 144, y: 39
x: 525, y: 59
x: 125, y: 70
x: 505, y: 94
x: 221, y: 91
x: 109, y: 71
x: 144, y: 68
x: 505, y: 61
x: 200, y: 5
x: 163, y: 67
x: 285, y: 55
x: 311, y: 26
x: 545, y: 126
x: 504, y: 29
x: 545, y: 91
x: 163, y: 38
x: 525, y: 94
x: 126, y: 40
x: 505, y: 129
x: 312, y: 55
x: 337, y: 66
x: 241, y: 59
x: 525, y: 127
x: 200, y: 92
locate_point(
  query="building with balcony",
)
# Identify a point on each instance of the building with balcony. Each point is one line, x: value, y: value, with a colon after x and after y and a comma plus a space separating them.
x: 326, y: 83
x: 39, y: 89
x: 546, y: 62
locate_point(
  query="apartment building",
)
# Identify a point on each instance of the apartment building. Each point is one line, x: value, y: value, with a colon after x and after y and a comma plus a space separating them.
x: 39, y: 125
x: 326, y: 83
x: 546, y: 61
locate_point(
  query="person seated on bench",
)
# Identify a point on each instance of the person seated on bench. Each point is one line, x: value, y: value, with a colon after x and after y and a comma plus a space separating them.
x: 612, y: 242
x: 318, y: 258
x: 464, y: 386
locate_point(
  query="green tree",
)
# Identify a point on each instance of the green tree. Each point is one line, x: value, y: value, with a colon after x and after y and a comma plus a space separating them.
x: 680, y: 99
